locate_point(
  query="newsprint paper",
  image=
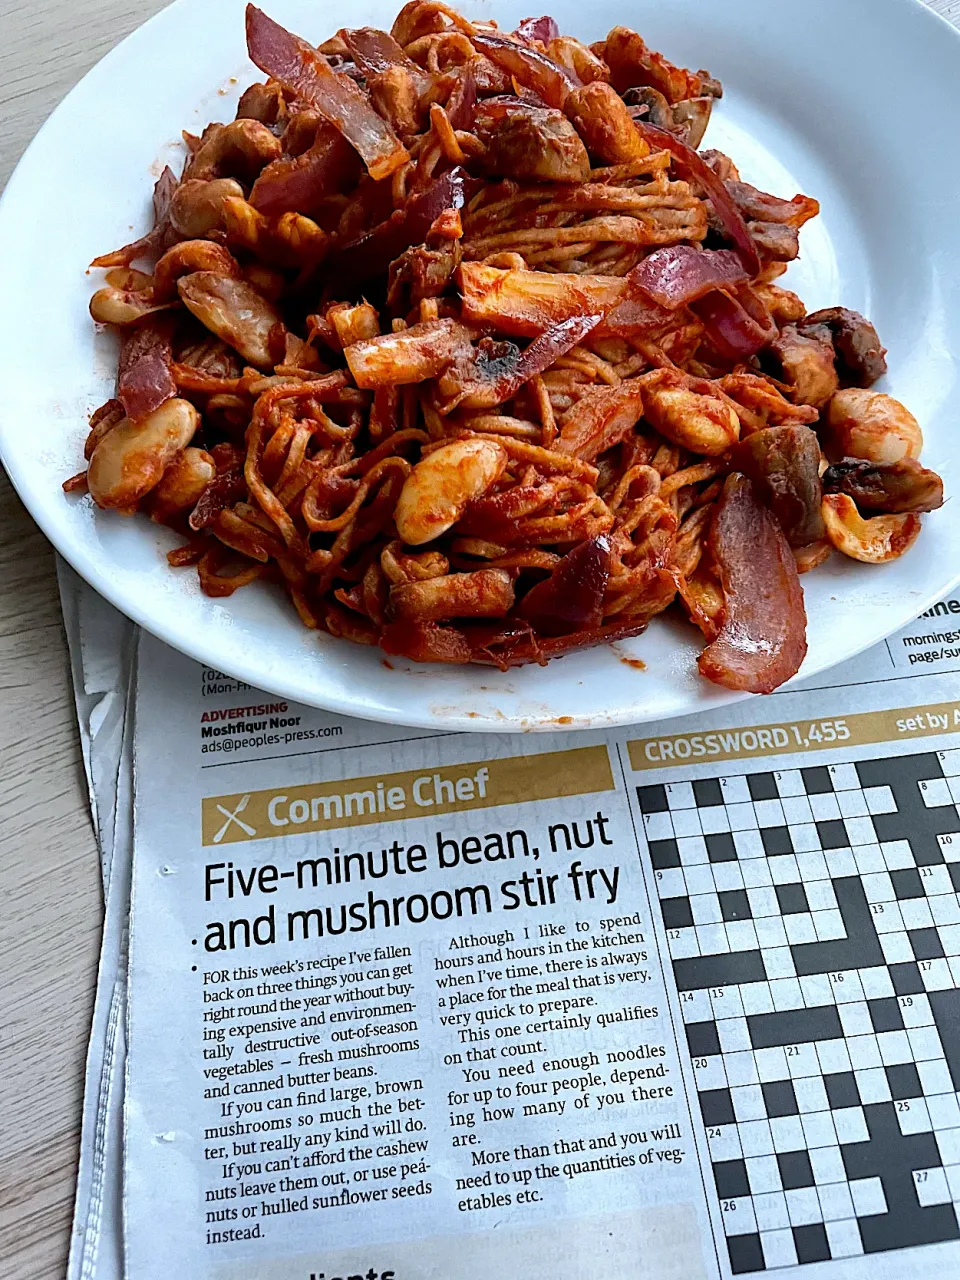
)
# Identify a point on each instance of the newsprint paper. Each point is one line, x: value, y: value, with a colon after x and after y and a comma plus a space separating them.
x: 681, y: 1000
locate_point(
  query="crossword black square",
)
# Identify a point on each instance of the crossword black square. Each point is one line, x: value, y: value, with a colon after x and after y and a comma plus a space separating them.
x: 906, y: 979
x: 955, y: 875
x: 816, y: 781
x: 904, y: 1081
x: 664, y: 854
x: 776, y: 840
x: 792, y: 899
x: 731, y: 1179
x: 885, y: 1014
x: 746, y: 1254
x: 652, y: 799
x: 720, y: 847
x: 780, y: 1098
x: 708, y: 793
x: 716, y: 1107
x: 763, y: 786
x: 795, y: 1170
x: 842, y: 1090
x: 833, y: 834
x: 703, y: 1039
x: 676, y: 913
x: 906, y: 883
x: 811, y: 1243
x: 735, y: 905
x: 926, y: 944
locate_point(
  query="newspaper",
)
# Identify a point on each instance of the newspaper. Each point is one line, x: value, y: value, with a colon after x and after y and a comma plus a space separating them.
x: 678, y: 1000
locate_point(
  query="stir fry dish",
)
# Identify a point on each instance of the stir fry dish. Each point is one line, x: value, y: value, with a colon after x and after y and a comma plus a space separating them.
x: 460, y: 337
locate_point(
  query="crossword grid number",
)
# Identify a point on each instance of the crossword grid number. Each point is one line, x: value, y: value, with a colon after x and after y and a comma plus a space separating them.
x: 813, y: 923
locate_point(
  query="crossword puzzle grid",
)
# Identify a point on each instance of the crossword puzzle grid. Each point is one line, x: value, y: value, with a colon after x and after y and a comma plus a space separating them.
x: 813, y: 922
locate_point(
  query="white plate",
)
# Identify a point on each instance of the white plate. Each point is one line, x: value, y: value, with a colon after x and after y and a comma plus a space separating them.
x: 852, y: 101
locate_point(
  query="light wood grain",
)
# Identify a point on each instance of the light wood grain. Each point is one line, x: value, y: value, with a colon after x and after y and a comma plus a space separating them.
x: 49, y: 882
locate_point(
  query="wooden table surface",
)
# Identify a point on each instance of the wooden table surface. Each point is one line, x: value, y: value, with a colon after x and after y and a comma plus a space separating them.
x: 50, y: 904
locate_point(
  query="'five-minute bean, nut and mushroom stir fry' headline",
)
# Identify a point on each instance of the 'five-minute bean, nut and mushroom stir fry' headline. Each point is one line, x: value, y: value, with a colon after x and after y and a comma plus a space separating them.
x: 457, y: 335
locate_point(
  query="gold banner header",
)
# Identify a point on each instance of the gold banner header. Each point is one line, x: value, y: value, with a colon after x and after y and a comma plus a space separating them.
x: 792, y: 737
x: 392, y: 797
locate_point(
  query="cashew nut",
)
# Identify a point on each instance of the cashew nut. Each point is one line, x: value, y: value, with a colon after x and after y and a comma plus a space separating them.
x: 873, y: 541
x: 486, y: 593
x: 874, y: 426
x: 694, y: 420
x: 197, y: 205
x: 130, y: 460
x: 436, y: 492
x: 123, y: 306
x: 182, y: 484
x: 236, y: 150
x: 186, y: 258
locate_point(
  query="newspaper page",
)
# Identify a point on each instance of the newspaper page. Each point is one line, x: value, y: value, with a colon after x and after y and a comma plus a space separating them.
x: 681, y: 1000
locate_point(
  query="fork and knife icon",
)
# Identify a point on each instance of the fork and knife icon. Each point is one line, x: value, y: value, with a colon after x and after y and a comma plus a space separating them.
x: 233, y: 819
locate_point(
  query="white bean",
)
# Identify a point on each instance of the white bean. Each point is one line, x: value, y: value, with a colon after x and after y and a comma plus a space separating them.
x: 130, y: 460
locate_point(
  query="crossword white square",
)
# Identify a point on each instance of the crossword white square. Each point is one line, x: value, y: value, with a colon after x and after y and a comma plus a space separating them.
x: 787, y: 1133
x: 705, y: 909
x: 854, y: 1017
x: 803, y: 1206
x: 872, y: 1085
x: 913, y: 1117
x: 670, y: 883
x: 786, y: 994
x: 818, y: 1129
x: 784, y: 869
x: 696, y: 1007
x: 897, y: 855
x: 853, y: 804
x: 657, y: 826
x: 756, y: 873
x: 835, y: 1199
x: 816, y: 990
x: 771, y: 1063
x: 889, y: 920
x: 936, y: 976
x: 716, y: 1073
x: 924, y: 1044
x: 810, y: 1090
x: 755, y: 1138
x: 742, y: 817
x: 738, y: 1216
x: 894, y: 1047
x: 748, y: 1102
x: 937, y: 881
x: 778, y: 962
x: 935, y: 1078
x: 790, y: 783
x: 712, y: 939
x: 840, y: 862
x: 803, y: 1062
x: 803, y: 836
x: 827, y: 1165
x: 763, y: 902
x: 680, y: 795
x: 748, y: 844
x: 725, y: 1002
x: 769, y: 813
x: 844, y: 777
x: 916, y: 913
x: 741, y: 935
x: 931, y: 1185
x: 950, y: 762
x: 736, y: 790
x: 764, y: 1174
x: 714, y: 820
x: 864, y: 1052
x: 741, y: 1068
x: 949, y: 843
x: 724, y: 1142
x: 796, y: 809
x: 946, y: 908
x: 683, y: 944
x: 771, y: 933
x: 943, y: 1111
x: 778, y: 1248
x: 954, y: 963
x: 878, y: 887
x: 692, y: 851
x: 860, y: 831
x: 918, y: 1013
x: 756, y: 998
x: 844, y: 1239
x: 935, y: 792
x: 771, y: 1210
x: 876, y: 982
x: 727, y: 875
x: 686, y: 822
x: 733, y: 1035
x: 833, y: 1056
x: 800, y: 928
x: 698, y: 879
x: 847, y: 988
x: 895, y: 945
x: 868, y: 1197
x: 949, y: 1153
x: 825, y: 807
x: 869, y: 858
x: 879, y: 800
x: 829, y: 925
